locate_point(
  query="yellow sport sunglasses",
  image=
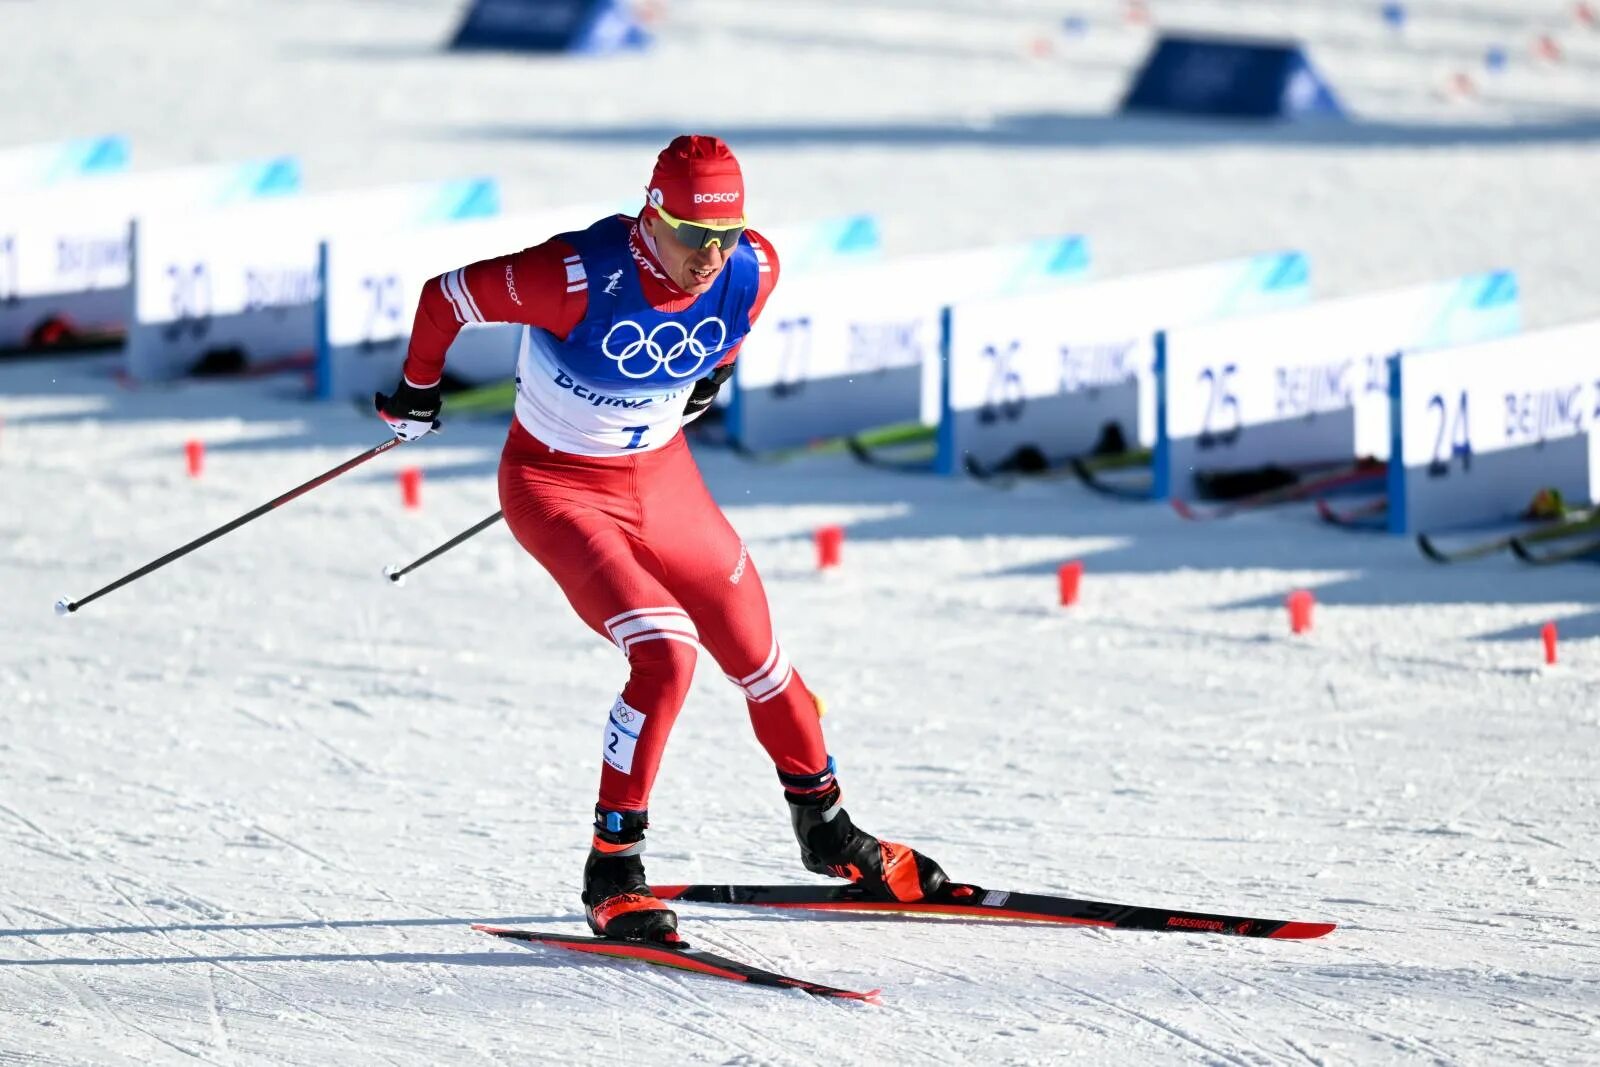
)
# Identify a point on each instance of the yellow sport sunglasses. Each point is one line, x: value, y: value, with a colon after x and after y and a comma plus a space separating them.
x: 697, y: 235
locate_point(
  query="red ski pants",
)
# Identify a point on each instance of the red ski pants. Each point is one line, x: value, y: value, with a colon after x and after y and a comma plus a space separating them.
x: 649, y: 562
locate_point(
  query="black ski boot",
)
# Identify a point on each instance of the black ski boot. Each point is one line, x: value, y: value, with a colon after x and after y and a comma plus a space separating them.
x: 617, y: 900
x: 831, y: 844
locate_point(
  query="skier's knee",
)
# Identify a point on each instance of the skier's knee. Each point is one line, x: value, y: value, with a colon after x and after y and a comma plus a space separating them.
x: 666, y: 666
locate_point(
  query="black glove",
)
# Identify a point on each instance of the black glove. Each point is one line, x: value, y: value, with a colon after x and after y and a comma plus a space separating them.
x: 411, y: 410
x: 705, y: 391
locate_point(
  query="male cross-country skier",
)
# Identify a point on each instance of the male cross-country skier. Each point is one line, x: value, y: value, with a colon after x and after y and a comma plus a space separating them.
x: 631, y: 327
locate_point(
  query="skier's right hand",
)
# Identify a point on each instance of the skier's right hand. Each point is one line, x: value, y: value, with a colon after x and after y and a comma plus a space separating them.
x: 411, y: 410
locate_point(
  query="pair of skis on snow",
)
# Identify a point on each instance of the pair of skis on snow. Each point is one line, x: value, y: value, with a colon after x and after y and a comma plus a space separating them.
x: 1311, y: 484
x: 955, y: 901
x: 1575, y: 535
x: 1571, y: 537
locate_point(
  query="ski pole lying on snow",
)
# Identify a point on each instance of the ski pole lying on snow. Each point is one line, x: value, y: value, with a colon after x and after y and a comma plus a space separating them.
x: 397, y: 575
x: 65, y: 606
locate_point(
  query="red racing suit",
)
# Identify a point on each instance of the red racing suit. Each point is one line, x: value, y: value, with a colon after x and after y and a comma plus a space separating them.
x: 598, y: 484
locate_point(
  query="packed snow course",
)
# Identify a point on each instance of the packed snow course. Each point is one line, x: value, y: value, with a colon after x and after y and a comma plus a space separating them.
x: 251, y: 803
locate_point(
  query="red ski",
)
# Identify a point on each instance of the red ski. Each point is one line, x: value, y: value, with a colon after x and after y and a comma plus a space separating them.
x: 972, y: 902
x: 682, y: 958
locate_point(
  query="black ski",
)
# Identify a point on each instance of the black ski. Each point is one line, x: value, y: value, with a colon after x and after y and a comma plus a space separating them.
x: 1562, y: 553
x: 1578, y: 522
x: 903, y: 447
x: 1368, y: 515
x: 1091, y: 472
x: 919, y: 462
x: 680, y: 956
x: 1362, y: 472
x: 1475, y: 550
x: 1007, y: 474
x: 972, y: 902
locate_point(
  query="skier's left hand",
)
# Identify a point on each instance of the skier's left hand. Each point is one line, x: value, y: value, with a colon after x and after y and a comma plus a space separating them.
x: 704, y: 392
x: 411, y: 410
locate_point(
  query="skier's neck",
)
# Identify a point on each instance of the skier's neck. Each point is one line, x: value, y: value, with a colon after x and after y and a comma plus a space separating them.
x: 643, y: 248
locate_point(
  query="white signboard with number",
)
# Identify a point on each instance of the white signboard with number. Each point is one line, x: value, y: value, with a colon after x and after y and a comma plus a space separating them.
x: 844, y: 351
x: 34, y: 165
x: 371, y: 285
x: 1067, y: 372
x: 1310, y: 384
x: 65, y: 251
x: 1479, y: 430
x: 241, y: 287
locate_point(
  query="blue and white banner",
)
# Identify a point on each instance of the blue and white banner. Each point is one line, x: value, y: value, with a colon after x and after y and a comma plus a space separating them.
x: 840, y: 352
x: 1061, y: 372
x: 1308, y: 385
x: 35, y: 165
x: 1231, y: 77
x: 371, y: 284
x: 591, y: 27
x: 66, y: 252
x: 244, y: 284
x: 1479, y: 430
x: 823, y: 244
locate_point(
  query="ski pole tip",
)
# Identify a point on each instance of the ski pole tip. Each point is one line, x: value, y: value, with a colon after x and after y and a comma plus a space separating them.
x: 394, y: 575
x: 65, y: 606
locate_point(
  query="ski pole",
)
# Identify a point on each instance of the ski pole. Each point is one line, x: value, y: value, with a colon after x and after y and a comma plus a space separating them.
x: 397, y: 575
x: 65, y: 606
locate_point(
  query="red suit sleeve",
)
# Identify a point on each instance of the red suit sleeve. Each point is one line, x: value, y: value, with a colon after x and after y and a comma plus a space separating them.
x: 767, y: 259
x: 540, y: 286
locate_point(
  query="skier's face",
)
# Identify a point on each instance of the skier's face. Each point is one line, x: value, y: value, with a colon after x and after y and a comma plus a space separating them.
x: 691, y: 269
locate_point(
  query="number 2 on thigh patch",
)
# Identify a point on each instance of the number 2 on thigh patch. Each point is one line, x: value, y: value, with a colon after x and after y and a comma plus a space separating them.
x: 622, y: 734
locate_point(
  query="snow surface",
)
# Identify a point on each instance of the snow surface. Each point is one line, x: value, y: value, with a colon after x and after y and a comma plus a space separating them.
x: 251, y: 803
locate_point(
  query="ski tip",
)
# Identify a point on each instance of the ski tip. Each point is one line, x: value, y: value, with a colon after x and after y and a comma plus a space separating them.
x: 1302, y: 931
x: 1182, y: 507
x: 1426, y: 546
x: 828, y: 992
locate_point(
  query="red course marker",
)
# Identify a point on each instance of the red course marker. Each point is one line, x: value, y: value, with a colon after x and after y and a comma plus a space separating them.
x: 1548, y: 633
x: 411, y: 487
x: 195, y: 454
x: 1300, y: 604
x: 1069, y: 577
x: 830, y: 539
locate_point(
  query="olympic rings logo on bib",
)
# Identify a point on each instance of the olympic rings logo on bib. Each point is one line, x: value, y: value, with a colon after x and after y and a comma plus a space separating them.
x: 667, y: 347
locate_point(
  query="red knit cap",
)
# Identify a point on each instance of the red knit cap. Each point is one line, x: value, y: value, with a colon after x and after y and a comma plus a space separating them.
x: 696, y: 177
